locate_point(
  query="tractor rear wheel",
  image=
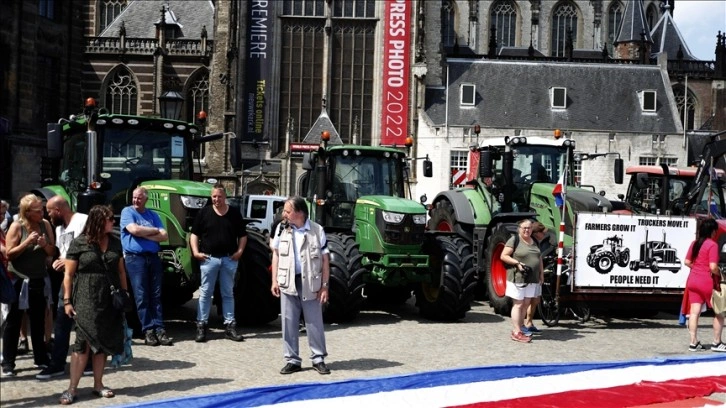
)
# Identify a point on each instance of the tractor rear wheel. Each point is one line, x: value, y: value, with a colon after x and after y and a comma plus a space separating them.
x: 496, y: 272
x: 449, y: 294
x: 346, y: 279
x: 254, y: 303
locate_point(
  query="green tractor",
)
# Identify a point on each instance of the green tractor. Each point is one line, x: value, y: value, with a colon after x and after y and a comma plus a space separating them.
x: 102, y: 157
x: 379, y: 250
x: 517, y: 177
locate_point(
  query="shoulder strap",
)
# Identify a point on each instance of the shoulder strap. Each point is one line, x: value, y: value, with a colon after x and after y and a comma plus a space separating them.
x: 516, y: 243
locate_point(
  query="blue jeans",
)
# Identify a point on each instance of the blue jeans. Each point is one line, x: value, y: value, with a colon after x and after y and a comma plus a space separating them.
x: 61, y: 335
x: 211, y: 268
x: 145, y: 274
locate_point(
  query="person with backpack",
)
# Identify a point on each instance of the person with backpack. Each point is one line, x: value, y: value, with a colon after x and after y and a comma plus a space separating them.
x: 525, y: 273
x: 541, y: 235
x: 300, y: 274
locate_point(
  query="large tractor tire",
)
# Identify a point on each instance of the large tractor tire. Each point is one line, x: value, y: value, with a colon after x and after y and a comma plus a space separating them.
x: 448, y: 296
x: 346, y: 279
x: 604, y: 262
x: 254, y: 303
x: 443, y: 219
x: 496, y: 272
x: 624, y: 258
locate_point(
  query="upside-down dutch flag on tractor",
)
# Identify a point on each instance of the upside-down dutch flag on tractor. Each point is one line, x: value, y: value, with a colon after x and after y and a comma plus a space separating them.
x: 557, y: 192
x: 562, y: 385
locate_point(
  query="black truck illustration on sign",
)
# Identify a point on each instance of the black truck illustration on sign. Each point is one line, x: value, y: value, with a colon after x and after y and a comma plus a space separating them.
x: 656, y: 255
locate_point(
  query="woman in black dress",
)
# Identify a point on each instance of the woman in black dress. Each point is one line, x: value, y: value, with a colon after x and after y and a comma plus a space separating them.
x: 94, y: 259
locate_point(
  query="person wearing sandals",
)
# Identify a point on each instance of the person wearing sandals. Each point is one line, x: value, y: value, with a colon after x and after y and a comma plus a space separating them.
x: 93, y: 259
x: 702, y: 257
x: 525, y: 273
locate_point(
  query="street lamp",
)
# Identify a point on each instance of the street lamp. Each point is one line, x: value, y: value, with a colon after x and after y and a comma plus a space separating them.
x: 171, y: 105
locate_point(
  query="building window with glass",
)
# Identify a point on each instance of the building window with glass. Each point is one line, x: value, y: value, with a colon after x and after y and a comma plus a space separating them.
x: 121, y: 93
x: 564, y: 24
x: 504, y: 19
x: 108, y: 11
x: 448, y: 29
x: 459, y: 167
x: 615, y: 17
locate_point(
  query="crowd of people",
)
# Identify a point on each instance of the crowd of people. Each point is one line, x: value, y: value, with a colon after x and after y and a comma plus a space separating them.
x: 88, y: 262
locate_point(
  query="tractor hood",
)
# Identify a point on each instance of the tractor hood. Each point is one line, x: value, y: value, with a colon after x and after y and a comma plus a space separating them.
x: 393, y: 204
x: 185, y: 187
x: 584, y: 200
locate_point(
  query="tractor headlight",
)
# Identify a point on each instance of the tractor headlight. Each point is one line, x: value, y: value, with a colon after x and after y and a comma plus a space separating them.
x: 394, y: 218
x: 193, y: 202
x: 419, y: 219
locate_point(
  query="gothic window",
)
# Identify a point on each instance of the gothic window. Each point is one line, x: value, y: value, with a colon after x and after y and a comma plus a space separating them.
x: 681, y: 102
x: 46, y: 8
x: 351, y: 97
x: 564, y: 23
x: 304, y: 8
x: 301, y: 75
x: 108, y: 11
x: 198, y: 98
x: 354, y: 8
x: 615, y: 17
x: 448, y: 23
x: 121, y: 93
x: 651, y: 16
x: 198, y: 94
x: 504, y: 19
x: 48, y: 83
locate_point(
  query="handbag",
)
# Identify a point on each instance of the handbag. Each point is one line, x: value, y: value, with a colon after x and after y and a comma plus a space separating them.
x: 718, y: 298
x: 120, y: 299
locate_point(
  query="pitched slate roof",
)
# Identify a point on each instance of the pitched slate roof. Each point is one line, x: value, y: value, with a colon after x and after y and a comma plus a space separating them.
x: 633, y: 23
x: 667, y: 38
x: 516, y: 95
x: 321, y: 124
x: 140, y: 17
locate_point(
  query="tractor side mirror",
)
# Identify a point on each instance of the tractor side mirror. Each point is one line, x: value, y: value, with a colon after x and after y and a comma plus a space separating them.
x: 428, y: 168
x: 618, y: 171
x: 485, y: 164
x: 55, y: 140
x: 307, y: 162
x: 235, y: 154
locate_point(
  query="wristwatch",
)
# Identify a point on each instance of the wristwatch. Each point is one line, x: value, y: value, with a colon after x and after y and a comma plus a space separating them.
x: 325, y: 284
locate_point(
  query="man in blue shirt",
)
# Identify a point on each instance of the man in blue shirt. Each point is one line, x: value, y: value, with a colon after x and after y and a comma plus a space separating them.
x: 141, y: 232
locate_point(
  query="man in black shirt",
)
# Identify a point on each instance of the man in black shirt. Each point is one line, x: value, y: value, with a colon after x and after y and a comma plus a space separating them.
x: 218, y: 239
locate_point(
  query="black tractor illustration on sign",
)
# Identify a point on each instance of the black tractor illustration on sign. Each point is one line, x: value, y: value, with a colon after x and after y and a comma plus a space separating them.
x: 656, y: 255
x: 604, y: 257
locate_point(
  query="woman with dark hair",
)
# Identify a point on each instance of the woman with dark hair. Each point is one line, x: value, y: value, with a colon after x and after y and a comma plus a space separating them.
x: 702, y: 258
x: 95, y: 259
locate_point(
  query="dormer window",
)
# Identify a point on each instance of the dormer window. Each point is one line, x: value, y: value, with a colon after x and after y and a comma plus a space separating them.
x: 558, y: 97
x: 647, y: 100
x: 468, y: 94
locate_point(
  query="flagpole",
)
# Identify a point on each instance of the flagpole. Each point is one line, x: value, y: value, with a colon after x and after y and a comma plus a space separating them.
x: 561, y: 239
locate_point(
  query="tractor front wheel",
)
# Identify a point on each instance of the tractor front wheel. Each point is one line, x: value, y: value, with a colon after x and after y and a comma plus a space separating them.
x: 449, y: 294
x: 346, y: 279
x: 254, y: 303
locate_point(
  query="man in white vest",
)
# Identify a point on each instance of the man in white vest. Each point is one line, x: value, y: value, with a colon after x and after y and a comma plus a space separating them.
x: 300, y: 273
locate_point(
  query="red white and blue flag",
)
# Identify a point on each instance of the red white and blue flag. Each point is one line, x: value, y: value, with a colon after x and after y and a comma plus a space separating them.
x: 597, y: 384
x: 558, y: 191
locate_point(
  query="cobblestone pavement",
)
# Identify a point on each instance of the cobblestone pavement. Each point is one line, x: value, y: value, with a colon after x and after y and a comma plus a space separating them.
x: 378, y: 343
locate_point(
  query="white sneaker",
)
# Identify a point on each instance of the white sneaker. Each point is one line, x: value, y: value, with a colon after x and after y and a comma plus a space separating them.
x: 720, y: 347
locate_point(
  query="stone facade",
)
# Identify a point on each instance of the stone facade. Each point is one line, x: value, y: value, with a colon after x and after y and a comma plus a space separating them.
x: 39, y: 68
